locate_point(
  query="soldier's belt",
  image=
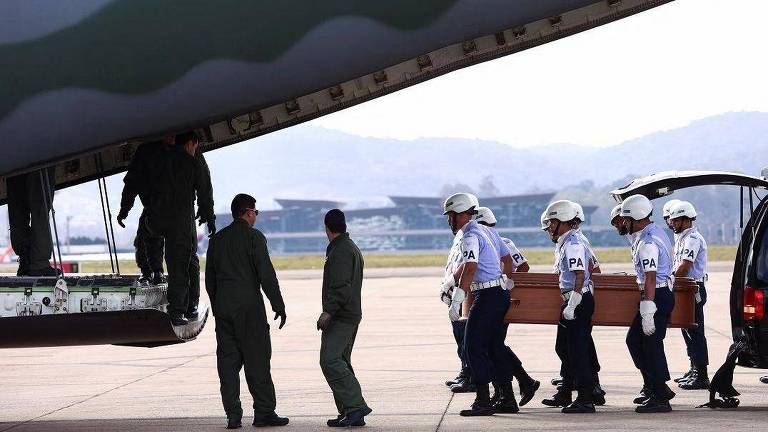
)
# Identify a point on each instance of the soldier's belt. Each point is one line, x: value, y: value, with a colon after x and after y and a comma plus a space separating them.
x: 477, y: 286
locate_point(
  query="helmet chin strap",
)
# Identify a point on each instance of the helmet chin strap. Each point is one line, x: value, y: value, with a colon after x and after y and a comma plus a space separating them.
x: 556, y: 237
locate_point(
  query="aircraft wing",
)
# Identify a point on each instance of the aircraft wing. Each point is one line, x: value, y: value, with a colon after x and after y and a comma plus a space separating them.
x: 84, y: 82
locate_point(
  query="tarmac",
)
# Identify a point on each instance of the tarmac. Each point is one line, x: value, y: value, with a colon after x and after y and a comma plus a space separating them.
x: 404, y: 353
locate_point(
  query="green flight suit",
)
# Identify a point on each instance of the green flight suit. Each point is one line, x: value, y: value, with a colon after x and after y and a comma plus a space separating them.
x: 149, y: 247
x: 237, y: 266
x: 175, y: 179
x: 342, y: 283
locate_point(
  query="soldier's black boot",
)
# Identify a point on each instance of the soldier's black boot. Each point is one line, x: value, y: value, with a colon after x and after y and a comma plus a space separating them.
x: 582, y: 405
x: 562, y: 398
x: 482, y: 404
x: 158, y: 277
x: 45, y: 272
x: 496, y: 393
x: 460, y: 377
x: 505, y: 402
x: 234, y: 423
x: 697, y: 381
x: 643, y: 396
x: 528, y: 389
x: 271, y: 419
x: 23, y: 266
x: 464, y: 386
x: 658, y: 400
x: 337, y: 422
x: 178, y: 319
x: 686, y: 375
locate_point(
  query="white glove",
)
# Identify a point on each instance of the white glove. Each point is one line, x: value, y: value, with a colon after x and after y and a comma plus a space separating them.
x: 647, y: 310
x: 509, y: 283
x: 446, y: 289
x: 574, y: 300
x: 454, y: 311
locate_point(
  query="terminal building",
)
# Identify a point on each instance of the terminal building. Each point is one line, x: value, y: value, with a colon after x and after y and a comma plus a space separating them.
x: 409, y: 224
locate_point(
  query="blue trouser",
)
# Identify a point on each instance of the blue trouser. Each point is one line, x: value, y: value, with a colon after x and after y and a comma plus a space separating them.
x: 458, y: 335
x: 695, y: 340
x: 484, y: 337
x: 515, y: 365
x: 648, y: 351
x: 573, y: 347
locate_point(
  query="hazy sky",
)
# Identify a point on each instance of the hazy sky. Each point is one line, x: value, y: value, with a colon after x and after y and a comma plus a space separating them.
x: 657, y: 70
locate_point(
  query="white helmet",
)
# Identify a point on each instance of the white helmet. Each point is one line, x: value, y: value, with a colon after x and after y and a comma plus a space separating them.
x: 636, y: 207
x: 562, y: 210
x: 544, y: 223
x: 616, y: 211
x: 667, y: 206
x: 579, y: 211
x: 682, y: 208
x: 460, y: 203
x: 484, y: 214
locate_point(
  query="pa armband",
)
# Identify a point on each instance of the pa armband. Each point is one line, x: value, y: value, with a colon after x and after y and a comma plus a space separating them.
x: 575, y: 257
x: 691, y: 248
x: 648, y: 257
x: 470, y: 249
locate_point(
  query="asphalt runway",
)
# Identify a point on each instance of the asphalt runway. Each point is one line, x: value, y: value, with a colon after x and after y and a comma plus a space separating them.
x: 404, y: 352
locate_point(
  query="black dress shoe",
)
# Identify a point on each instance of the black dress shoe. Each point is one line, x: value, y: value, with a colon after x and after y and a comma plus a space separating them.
x: 764, y: 379
x: 557, y: 381
x: 234, y: 423
x: 178, y: 319
x: 460, y: 377
x: 335, y: 422
x: 654, y: 405
x: 478, y: 409
x: 528, y: 390
x: 464, y: 387
x: 270, y: 419
x: 353, y: 418
x: 560, y: 399
x: 579, y: 407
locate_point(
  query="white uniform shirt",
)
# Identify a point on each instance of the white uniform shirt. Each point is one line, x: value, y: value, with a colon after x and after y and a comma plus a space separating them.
x: 691, y: 246
x: 570, y: 257
x: 483, y: 245
x: 517, y: 257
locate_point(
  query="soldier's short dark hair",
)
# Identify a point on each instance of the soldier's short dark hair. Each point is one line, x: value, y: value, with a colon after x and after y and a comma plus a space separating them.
x: 335, y: 221
x: 241, y: 203
x: 184, y: 137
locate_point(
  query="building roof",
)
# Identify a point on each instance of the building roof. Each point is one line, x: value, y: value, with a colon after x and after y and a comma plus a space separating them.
x: 312, y: 204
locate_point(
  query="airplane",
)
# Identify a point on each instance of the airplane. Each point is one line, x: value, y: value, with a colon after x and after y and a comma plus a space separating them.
x: 83, y: 84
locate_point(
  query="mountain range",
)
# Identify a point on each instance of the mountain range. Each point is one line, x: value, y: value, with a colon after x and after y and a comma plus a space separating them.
x: 307, y: 162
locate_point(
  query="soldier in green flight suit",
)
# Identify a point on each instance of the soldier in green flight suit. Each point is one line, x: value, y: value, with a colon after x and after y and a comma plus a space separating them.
x: 176, y: 178
x: 237, y: 269
x: 342, y: 283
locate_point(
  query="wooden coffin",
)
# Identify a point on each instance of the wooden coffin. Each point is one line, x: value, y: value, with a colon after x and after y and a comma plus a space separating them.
x: 616, y: 300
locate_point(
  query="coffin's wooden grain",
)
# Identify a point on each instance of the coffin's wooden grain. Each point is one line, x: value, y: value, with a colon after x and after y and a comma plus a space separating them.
x: 616, y: 300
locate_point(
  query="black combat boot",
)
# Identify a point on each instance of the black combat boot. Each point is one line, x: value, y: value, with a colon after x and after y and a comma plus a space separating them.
x: 158, y: 277
x: 496, y: 393
x: 23, y: 266
x: 562, y: 398
x: 482, y: 404
x: 336, y: 422
x: 44, y: 272
x: 234, y: 423
x: 355, y: 417
x: 699, y: 380
x: 270, y: 419
x: 505, y: 403
x: 686, y: 375
x: 654, y: 404
x: 582, y: 405
x: 643, y: 396
x: 460, y: 377
x: 528, y: 389
x: 464, y: 386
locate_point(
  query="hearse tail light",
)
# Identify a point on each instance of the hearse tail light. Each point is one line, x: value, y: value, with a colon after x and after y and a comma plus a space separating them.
x: 754, y: 304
